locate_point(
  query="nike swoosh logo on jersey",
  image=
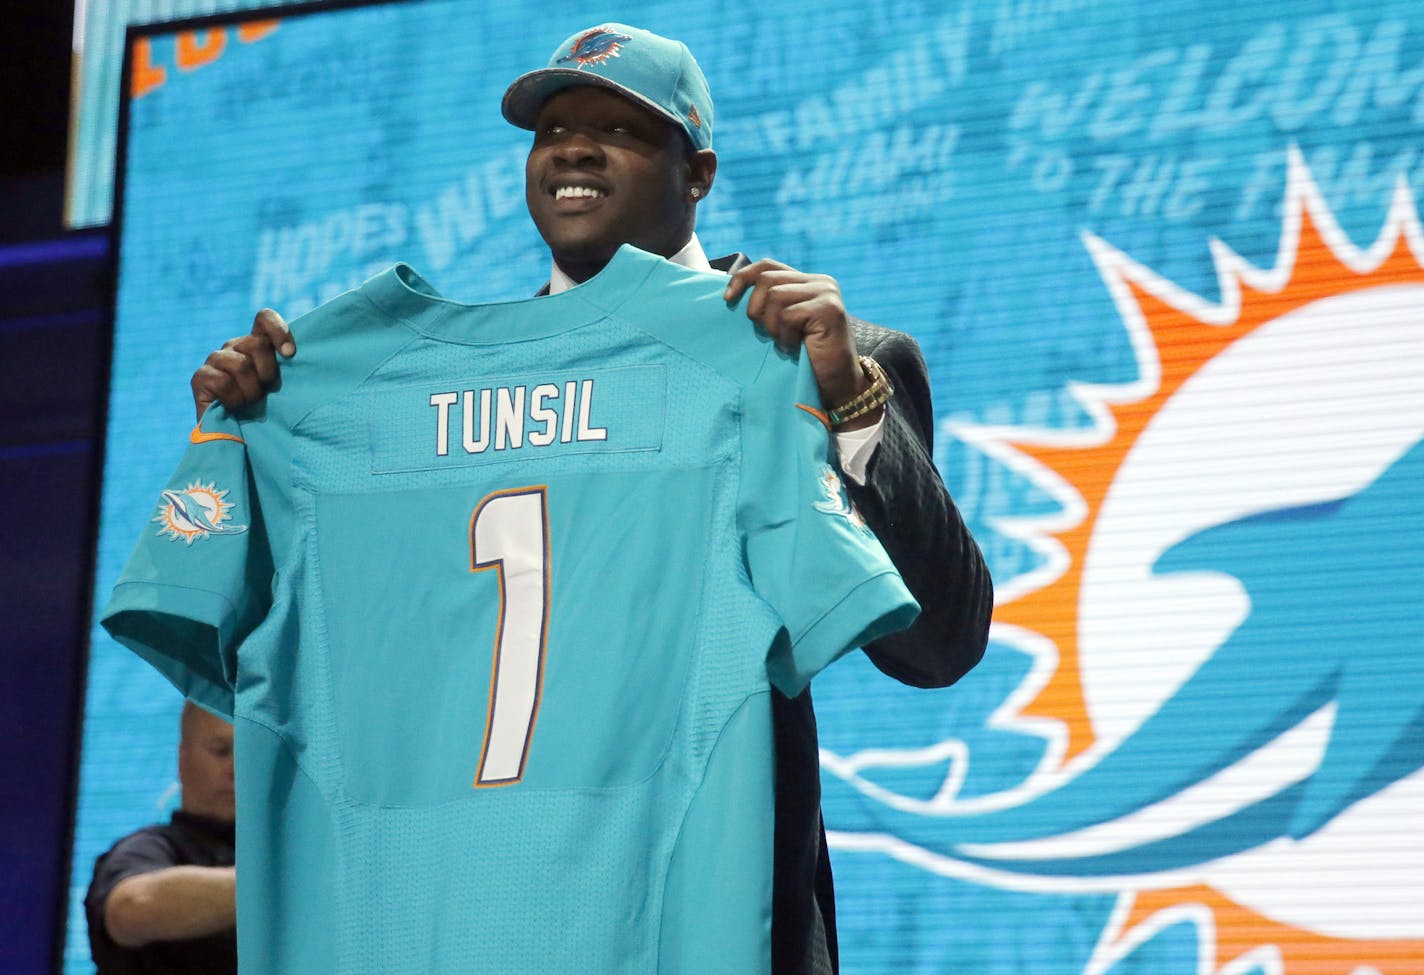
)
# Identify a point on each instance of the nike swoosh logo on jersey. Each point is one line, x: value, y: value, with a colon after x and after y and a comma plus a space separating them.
x: 198, y: 436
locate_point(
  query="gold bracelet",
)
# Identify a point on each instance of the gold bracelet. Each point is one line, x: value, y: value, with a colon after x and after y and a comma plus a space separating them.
x: 876, y: 395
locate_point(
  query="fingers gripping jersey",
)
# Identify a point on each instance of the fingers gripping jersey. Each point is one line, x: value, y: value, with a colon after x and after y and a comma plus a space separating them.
x: 495, y: 596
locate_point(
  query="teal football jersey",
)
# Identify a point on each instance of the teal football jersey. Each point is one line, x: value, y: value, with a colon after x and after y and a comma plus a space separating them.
x: 495, y: 596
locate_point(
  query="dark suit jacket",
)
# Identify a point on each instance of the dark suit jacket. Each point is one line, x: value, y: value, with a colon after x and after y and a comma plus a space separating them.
x: 906, y: 505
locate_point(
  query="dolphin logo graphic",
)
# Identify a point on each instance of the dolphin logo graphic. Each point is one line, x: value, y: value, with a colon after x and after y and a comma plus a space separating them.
x: 595, y: 47
x: 1310, y: 584
x: 191, y: 516
x: 195, y: 512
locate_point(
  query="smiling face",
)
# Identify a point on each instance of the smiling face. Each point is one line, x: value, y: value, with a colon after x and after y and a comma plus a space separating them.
x: 605, y: 172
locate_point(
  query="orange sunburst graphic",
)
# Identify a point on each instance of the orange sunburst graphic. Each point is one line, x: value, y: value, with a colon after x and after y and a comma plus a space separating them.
x: 1177, y: 337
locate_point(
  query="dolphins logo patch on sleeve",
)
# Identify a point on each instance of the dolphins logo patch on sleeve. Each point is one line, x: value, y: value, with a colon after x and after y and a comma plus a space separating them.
x: 197, y: 511
x: 836, y: 502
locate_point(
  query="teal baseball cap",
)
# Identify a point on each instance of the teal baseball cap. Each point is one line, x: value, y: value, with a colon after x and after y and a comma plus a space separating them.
x: 656, y: 72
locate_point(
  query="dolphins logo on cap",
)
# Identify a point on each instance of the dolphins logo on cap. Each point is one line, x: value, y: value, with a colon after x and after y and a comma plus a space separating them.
x: 595, y: 47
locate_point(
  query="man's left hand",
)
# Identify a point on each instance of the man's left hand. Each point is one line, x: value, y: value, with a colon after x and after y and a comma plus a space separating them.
x: 799, y: 309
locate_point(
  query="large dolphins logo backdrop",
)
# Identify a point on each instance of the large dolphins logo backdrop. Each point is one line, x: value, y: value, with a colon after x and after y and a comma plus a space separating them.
x: 1231, y: 685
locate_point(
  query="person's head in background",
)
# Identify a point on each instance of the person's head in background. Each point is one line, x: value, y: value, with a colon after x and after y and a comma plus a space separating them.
x: 205, y: 765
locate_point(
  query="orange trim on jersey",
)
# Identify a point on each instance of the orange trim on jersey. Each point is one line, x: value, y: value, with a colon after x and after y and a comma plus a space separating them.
x: 198, y: 436
x: 479, y: 782
x: 818, y: 414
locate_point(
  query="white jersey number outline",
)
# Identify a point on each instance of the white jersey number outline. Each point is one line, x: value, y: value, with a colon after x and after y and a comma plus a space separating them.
x: 509, y: 532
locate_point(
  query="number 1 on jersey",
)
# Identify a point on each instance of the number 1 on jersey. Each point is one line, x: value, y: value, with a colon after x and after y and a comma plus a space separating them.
x: 509, y: 532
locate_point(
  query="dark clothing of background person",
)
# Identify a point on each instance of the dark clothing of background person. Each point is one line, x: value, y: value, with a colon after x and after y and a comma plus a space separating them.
x: 187, y: 840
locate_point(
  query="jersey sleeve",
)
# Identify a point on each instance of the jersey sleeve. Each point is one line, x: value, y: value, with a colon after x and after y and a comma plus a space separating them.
x: 808, y: 551
x: 199, y: 579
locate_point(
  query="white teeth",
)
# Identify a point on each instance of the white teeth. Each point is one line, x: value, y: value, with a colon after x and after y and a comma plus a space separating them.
x: 565, y: 192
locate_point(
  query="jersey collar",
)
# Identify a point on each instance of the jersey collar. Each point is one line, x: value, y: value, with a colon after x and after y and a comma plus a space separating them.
x: 691, y: 256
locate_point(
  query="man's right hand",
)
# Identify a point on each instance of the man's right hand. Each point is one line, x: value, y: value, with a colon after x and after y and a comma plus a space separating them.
x: 245, y: 369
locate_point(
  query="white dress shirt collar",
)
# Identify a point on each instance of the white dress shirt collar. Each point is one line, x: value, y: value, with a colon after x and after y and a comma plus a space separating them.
x: 691, y: 256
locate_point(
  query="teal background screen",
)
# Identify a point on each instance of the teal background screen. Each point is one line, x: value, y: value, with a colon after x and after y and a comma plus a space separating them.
x: 1164, y: 264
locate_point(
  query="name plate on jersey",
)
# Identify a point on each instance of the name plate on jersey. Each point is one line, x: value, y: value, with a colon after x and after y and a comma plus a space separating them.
x: 495, y: 420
